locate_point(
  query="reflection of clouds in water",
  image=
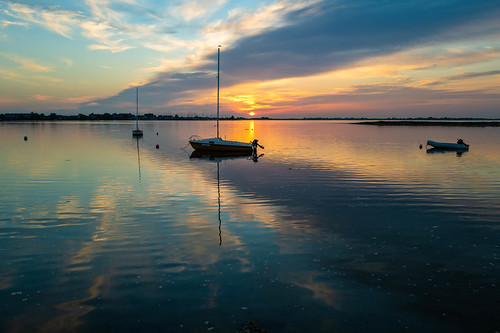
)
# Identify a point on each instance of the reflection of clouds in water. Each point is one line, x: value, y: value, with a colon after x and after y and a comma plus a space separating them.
x: 75, y: 310
x: 321, y: 290
x: 331, y: 207
x: 382, y: 157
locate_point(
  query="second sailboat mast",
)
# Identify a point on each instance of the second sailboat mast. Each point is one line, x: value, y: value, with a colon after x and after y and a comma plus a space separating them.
x: 218, y: 73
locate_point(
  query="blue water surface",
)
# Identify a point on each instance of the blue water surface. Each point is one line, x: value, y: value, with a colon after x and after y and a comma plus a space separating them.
x: 337, y: 227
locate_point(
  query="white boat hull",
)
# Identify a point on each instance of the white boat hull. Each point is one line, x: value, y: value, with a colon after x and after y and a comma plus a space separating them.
x: 217, y: 144
x: 447, y: 145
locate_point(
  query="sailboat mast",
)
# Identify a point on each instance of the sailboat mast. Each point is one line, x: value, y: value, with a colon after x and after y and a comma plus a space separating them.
x: 137, y: 107
x: 218, y: 74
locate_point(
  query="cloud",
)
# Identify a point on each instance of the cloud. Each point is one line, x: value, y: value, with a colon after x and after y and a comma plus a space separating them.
x: 58, y: 21
x: 194, y: 9
x: 243, y: 23
x: 8, y: 74
x: 6, y: 23
x: 386, y: 43
x: 169, y: 93
x: 67, y: 62
x: 108, y: 27
x: 465, y: 76
x: 40, y: 97
x: 197, y: 53
x: 28, y: 64
x: 101, y: 11
x: 328, y: 37
x: 336, y: 34
x: 416, y: 44
x: 105, y: 35
x: 123, y: 25
x: 372, y: 100
x: 7, y: 101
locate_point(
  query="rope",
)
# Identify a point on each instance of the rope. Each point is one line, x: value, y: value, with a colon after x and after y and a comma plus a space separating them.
x: 192, y: 137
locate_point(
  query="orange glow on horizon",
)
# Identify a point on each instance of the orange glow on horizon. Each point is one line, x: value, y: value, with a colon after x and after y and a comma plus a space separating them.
x: 366, y: 87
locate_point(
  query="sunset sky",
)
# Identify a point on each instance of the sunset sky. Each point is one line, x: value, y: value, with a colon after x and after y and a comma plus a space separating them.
x: 302, y: 58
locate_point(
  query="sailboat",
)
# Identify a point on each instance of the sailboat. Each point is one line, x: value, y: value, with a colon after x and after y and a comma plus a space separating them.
x: 137, y: 131
x: 217, y: 143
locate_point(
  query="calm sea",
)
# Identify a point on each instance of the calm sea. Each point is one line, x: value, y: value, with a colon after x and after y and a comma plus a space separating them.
x: 335, y: 228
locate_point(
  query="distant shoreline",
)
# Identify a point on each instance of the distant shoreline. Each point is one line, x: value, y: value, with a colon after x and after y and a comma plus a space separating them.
x: 455, y: 123
x: 430, y: 121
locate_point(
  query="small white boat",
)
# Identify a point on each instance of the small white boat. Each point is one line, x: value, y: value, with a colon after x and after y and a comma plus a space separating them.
x: 460, y: 145
x: 218, y: 144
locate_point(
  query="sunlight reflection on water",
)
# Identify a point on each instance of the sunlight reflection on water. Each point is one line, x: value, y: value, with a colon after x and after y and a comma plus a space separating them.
x: 335, y: 222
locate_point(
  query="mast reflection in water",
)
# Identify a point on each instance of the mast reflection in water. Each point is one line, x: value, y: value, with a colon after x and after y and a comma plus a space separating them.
x: 218, y: 156
x: 137, y: 138
x: 339, y: 228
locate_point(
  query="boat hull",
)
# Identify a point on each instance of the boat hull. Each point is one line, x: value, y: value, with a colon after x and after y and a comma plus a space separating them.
x: 219, y: 155
x: 447, y: 145
x: 217, y: 144
x: 137, y: 132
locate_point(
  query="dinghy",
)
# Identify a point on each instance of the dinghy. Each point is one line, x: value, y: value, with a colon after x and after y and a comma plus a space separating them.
x: 460, y: 145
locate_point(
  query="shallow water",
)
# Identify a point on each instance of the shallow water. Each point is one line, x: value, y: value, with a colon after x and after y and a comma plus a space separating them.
x: 337, y: 227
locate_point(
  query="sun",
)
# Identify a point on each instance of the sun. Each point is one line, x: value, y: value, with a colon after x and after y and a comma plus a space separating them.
x: 251, y: 113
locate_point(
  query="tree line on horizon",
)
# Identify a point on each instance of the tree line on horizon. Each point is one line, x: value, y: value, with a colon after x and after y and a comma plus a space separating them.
x: 34, y: 116
x: 104, y: 116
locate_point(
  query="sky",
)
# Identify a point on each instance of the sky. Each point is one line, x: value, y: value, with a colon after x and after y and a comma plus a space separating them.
x: 279, y: 58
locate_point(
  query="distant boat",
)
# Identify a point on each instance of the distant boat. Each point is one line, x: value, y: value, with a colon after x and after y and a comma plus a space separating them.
x: 137, y: 131
x: 217, y: 143
x: 460, y: 145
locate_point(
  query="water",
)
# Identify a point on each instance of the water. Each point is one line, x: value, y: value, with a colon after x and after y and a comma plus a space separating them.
x: 337, y: 227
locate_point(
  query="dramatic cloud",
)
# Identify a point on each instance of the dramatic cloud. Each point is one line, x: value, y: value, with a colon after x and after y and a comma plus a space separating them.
x: 169, y: 94
x: 473, y: 75
x: 58, y: 21
x: 335, y: 34
x: 339, y: 56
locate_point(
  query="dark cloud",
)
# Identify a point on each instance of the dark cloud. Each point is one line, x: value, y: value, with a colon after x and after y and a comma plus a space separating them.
x: 325, y: 37
x: 405, y: 102
x: 166, y: 94
x: 474, y: 75
x: 464, y: 76
x: 338, y: 33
